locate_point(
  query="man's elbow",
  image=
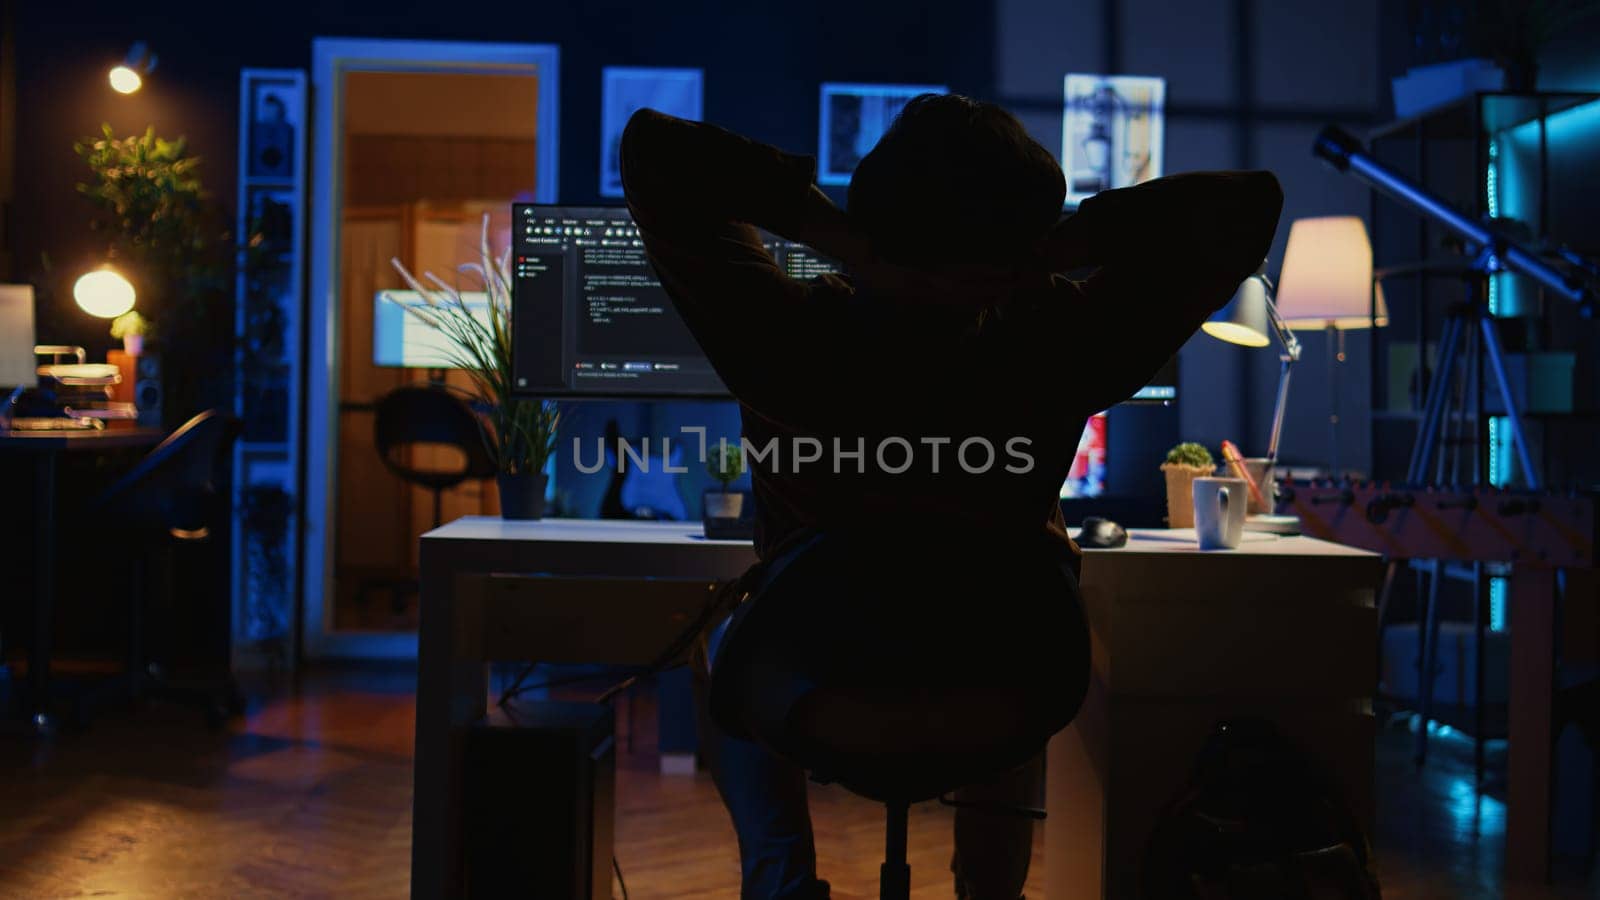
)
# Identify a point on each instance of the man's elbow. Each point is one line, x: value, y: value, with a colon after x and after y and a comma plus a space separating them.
x: 639, y: 136
x: 1259, y: 203
x: 1263, y: 198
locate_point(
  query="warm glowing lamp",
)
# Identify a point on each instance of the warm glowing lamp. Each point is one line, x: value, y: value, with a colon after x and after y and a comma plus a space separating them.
x: 128, y: 76
x: 1250, y: 320
x: 125, y: 80
x: 1327, y: 283
x: 103, y: 293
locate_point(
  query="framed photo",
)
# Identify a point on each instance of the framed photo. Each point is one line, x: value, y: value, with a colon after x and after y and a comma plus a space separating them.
x: 1111, y: 132
x: 854, y: 117
x: 624, y: 91
x: 276, y: 110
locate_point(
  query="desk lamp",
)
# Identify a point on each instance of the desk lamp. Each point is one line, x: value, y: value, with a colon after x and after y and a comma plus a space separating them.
x: 1248, y: 320
x: 1326, y: 283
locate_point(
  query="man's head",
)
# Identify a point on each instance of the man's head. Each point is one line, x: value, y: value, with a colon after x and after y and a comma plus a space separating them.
x: 956, y: 181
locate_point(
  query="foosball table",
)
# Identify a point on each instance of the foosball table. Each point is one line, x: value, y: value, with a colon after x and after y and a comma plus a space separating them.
x: 1532, y: 539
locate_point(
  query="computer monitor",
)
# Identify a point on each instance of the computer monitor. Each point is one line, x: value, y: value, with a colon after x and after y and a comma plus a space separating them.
x: 589, y: 318
x: 402, y: 340
x: 16, y: 337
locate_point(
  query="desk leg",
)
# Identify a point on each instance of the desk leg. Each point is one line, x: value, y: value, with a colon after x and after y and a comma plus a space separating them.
x: 451, y: 692
x: 1532, y: 614
x: 676, y: 739
x: 44, y: 592
x: 1077, y: 780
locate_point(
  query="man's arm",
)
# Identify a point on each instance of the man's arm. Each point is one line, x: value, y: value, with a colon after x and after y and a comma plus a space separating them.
x: 699, y: 177
x: 1165, y: 255
x: 698, y: 193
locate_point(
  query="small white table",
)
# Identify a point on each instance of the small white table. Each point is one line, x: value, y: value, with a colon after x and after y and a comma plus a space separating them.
x: 452, y: 690
x: 1283, y: 628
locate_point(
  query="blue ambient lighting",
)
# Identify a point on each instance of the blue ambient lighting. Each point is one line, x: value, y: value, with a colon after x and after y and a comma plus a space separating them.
x: 1497, y: 603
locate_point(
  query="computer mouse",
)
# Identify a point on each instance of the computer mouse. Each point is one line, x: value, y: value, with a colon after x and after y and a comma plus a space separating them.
x: 1101, y: 534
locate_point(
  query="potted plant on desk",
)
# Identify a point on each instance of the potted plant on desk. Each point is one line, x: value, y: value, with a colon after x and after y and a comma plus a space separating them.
x: 520, y: 432
x: 131, y: 328
x: 1184, y: 464
x: 722, y: 507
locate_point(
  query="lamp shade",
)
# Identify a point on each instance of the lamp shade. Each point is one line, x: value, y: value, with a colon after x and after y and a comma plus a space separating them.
x: 103, y: 293
x: 1244, y: 320
x: 1327, y: 275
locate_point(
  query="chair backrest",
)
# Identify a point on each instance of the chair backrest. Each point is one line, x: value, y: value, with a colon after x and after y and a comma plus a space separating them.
x: 172, y: 490
x: 958, y: 655
x: 426, y: 414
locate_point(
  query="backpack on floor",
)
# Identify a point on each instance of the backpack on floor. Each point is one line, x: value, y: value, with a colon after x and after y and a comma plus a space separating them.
x: 1259, y: 820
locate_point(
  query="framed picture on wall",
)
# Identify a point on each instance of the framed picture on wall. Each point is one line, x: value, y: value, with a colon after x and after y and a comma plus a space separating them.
x: 624, y: 91
x: 854, y: 117
x: 1111, y: 132
x: 275, y: 113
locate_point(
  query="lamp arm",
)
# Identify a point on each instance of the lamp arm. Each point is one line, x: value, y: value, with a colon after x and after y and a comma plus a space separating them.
x: 1286, y: 335
x: 1291, y: 355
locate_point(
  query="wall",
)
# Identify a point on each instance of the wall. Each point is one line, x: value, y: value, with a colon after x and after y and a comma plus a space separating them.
x: 763, y: 65
x: 1249, y: 84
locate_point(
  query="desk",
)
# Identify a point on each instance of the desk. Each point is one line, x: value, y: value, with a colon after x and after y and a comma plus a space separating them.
x: 453, y: 692
x: 46, y: 448
x: 1282, y: 628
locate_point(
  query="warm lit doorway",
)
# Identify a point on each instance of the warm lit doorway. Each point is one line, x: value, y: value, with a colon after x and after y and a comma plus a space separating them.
x: 415, y: 141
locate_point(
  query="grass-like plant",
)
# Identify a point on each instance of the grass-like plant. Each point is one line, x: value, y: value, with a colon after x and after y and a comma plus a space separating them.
x: 522, y: 430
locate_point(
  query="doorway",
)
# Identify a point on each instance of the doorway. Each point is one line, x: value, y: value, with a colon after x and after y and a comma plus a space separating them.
x: 415, y: 142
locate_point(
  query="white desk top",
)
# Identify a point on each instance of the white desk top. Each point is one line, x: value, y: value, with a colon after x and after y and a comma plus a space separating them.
x: 1177, y: 541
x: 582, y: 531
x: 1182, y: 541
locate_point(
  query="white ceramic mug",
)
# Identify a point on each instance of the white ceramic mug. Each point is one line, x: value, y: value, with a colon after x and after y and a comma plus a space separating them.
x: 1219, y: 508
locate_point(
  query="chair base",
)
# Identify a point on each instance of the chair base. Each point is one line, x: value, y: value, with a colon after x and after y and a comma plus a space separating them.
x: 894, y: 876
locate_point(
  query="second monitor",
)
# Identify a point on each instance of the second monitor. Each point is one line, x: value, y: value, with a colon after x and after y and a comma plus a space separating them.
x: 590, y: 318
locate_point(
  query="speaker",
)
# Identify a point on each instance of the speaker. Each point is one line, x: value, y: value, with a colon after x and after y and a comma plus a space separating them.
x: 539, y: 785
x: 147, y: 395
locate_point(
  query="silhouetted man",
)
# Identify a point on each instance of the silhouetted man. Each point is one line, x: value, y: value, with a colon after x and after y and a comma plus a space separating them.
x: 955, y: 328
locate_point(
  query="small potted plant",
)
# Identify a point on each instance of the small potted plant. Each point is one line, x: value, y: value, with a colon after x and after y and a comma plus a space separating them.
x: 1184, y: 464
x: 130, y: 328
x: 725, y: 463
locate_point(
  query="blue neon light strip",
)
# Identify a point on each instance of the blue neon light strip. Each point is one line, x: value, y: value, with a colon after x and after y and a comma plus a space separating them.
x: 1497, y: 604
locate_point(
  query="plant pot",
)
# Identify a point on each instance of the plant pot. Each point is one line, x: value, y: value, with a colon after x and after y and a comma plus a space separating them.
x: 522, y: 495
x: 723, y: 513
x: 133, y: 344
x: 723, y: 504
x: 1180, y: 492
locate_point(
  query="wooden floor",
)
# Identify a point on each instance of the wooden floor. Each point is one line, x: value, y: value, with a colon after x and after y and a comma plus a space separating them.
x: 309, y: 796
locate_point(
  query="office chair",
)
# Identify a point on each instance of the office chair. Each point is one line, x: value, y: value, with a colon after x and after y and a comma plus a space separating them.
x: 428, y: 414
x: 416, y: 414
x: 905, y: 668
x: 170, y: 499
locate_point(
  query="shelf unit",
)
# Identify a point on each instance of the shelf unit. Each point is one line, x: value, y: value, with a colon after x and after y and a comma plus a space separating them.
x: 1521, y: 158
x: 269, y: 343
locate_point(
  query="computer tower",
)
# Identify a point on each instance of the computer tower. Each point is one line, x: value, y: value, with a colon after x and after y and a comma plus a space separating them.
x: 539, y: 791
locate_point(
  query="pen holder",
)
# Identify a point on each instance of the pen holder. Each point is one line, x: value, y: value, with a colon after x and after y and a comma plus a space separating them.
x: 1263, y: 473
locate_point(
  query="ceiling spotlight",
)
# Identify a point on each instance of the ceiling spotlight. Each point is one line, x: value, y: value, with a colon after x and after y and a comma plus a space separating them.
x: 129, y: 75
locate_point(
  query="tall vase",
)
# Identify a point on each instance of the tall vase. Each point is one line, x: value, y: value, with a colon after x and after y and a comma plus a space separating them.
x: 522, y: 495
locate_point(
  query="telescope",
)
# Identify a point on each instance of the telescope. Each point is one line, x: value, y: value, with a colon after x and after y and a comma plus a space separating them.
x: 1345, y: 153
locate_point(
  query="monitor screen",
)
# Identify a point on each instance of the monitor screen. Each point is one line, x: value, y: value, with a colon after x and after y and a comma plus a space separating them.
x: 1087, y: 477
x: 401, y: 339
x: 589, y: 317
